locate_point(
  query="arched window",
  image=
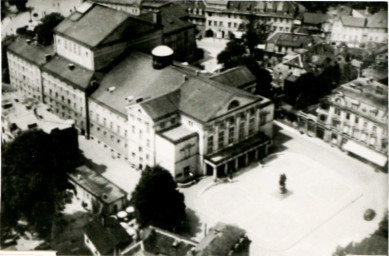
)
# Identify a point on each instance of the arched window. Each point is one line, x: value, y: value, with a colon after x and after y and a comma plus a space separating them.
x: 233, y: 104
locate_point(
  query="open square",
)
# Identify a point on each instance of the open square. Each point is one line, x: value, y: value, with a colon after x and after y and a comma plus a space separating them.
x: 323, y: 194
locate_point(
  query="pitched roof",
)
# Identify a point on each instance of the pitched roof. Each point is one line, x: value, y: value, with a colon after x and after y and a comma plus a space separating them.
x: 78, y: 77
x: 97, y: 185
x: 162, y: 106
x: 236, y: 77
x: 294, y: 40
x: 205, y: 100
x: 220, y: 240
x: 30, y: 52
x: 106, y: 237
x: 378, y: 20
x: 123, y: 2
x: 135, y: 77
x: 351, y: 21
x: 92, y: 27
x: 314, y: 18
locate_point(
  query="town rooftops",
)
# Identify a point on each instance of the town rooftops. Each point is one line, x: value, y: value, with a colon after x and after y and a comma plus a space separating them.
x: 220, y: 240
x: 236, y: 77
x: 351, y: 21
x: 294, y: 40
x: 74, y: 74
x: 92, y: 27
x: 314, y: 18
x: 30, y: 51
x: 378, y: 20
x: 97, y: 185
x: 178, y: 134
x: 368, y: 91
x: 135, y: 78
x: 156, y: 241
x: 108, y: 236
x: 121, y: 2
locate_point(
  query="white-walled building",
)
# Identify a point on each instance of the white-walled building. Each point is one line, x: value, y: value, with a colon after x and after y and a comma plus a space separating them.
x: 223, y: 17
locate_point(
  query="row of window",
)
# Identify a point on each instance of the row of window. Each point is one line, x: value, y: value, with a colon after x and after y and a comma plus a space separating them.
x: 72, y: 47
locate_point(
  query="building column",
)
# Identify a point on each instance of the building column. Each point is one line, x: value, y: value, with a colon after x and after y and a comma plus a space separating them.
x: 236, y: 164
x: 214, y: 172
x: 225, y: 168
x: 246, y: 159
x: 256, y: 154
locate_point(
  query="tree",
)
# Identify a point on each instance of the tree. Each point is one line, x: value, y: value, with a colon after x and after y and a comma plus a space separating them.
x: 34, y: 179
x: 157, y: 201
x: 44, y: 30
x: 244, y: 52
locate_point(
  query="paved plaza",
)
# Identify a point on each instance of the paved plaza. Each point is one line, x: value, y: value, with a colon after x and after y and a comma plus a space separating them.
x: 328, y: 194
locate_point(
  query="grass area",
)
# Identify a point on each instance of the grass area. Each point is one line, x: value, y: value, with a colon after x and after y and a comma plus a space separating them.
x: 67, y: 235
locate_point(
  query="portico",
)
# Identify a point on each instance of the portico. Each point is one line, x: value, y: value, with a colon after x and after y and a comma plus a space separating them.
x: 231, y: 159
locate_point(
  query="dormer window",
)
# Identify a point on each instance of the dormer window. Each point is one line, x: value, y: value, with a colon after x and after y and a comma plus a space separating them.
x: 233, y: 104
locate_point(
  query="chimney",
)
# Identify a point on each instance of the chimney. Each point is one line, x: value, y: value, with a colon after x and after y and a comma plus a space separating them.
x: 48, y: 57
x: 71, y: 66
x: 157, y: 18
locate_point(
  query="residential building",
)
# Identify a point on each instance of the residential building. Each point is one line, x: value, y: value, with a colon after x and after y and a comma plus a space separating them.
x: 316, y: 24
x: 132, y: 7
x: 283, y: 43
x: 196, y: 14
x: 354, y: 118
x: 223, y: 240
x: 25, y: 60
x: 357, y: 30
x: 223, y: 17
x: 96, y: 193
x: 105, y: 236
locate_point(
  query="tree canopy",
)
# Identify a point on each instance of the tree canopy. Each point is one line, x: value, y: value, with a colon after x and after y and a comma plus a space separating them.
x: 44, y: 30
x: 34, y: 179
x: 20, y: 4
x: 244, y: 52
x: 157, y: 201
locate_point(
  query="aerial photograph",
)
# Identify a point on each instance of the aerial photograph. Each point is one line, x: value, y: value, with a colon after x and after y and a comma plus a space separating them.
x: 194, y: 128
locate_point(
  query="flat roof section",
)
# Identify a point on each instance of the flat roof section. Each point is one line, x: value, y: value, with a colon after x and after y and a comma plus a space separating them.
x: 178, y: 134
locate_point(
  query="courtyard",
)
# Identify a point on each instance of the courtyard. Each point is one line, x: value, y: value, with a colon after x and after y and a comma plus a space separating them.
x: 328, y: 193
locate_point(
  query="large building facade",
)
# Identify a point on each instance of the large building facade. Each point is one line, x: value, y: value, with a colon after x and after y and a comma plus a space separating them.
x: 223, y: 17
x: 354, y: 118
x: 117, y: 94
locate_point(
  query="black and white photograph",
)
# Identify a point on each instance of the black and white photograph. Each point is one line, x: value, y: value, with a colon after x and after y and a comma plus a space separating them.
x: 194, y: 128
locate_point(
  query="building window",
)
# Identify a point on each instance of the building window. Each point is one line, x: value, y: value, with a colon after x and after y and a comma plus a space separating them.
x: 241, y: 130
x: 104, y: 121
x: 162, y: 125
x: 140, y: 134
x: 337, y: 111
x: 221, y: 139
x: 251, y: 126
x: 210, y: 144
x: 133, y: 129
x: 186, y: 170
x: 231, y: 132
x: 118, y: 129
x: 262, y: 119
x: 140, y: 149
x: 348, y: 116
x: 210, y: 23
x: 148, y: 143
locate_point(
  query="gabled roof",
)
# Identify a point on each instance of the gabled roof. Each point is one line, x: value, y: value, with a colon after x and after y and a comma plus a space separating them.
x: 378, y: 20
x: 236, y: 77
x: 30, y: 52
x: 294, y: 40
x: 220, y: 240
x: 108, y: 236
x: 314, y: 18
x: 351, y: 21
x: 122, y: 2
x: 162, y: 106
x: 78, y: 77
x: 92, y: 27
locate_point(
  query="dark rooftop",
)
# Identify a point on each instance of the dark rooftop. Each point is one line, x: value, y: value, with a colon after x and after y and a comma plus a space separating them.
x: 106, y: 237
x: 351, y: 21
x: 97, y: 185
x: 162, y: 106
x: 135, y: 77
x: 315, y: 18
x: 78, y: 76
x: 378, y: 20
x: 294, y: 40
x: 31, y: 52
x: 94, y: 26
x: 220, y: 240
x: 123, y: 2
x: 236, y: 77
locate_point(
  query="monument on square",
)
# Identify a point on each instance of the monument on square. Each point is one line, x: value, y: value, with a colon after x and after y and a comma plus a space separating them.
x: 282, y: 183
